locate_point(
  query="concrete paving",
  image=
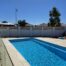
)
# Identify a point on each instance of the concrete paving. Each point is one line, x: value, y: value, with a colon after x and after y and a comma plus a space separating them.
x: 4, y: 58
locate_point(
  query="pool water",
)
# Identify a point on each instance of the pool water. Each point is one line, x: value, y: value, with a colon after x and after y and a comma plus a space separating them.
x: 36, y: 54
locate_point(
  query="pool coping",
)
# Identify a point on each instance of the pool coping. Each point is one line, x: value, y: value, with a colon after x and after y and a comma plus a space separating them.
x: 16, y: 58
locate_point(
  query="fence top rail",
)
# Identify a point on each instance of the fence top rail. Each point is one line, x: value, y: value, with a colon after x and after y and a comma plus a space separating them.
x: 34, y: 28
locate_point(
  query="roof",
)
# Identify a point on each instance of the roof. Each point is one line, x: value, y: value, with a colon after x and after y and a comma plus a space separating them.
x: 6, y: 24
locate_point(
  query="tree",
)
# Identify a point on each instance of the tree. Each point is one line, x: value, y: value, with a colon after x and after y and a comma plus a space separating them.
x: 4, y: 22
x: 22, y: 23
x: 54, y: 20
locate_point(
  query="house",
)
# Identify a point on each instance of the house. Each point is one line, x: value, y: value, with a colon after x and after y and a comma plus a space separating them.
x: 7, y: 25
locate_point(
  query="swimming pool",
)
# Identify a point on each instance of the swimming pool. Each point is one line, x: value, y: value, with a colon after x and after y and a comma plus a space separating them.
x: 39, y: 53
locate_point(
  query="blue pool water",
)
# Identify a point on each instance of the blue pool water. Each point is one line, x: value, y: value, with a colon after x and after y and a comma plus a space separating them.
x: 36, y: 54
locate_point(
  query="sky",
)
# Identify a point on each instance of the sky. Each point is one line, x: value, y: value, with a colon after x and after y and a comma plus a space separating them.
x: 33, y: 11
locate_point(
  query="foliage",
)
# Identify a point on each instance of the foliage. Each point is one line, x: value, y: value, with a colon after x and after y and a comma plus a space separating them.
x: 4, y: 22
x: 54, y: 20
x: 22, y: 23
